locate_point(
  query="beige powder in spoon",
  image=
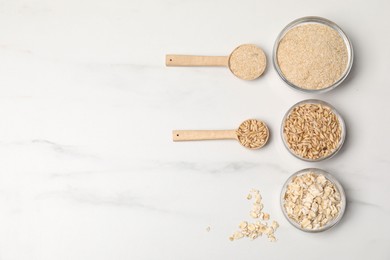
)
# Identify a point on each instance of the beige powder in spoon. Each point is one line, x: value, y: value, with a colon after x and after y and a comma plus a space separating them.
x: 312, y: 56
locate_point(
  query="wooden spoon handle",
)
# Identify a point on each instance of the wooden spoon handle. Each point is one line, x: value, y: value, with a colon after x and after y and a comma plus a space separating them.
x: 190, y: 60
x: 196, y: 135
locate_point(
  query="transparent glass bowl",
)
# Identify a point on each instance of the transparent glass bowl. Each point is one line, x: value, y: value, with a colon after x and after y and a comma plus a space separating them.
x: 341, y: 121
x: 311, y: 20
x: 331, y: 179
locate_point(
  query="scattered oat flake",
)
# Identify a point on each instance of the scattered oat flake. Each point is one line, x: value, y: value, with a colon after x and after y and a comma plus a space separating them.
x: 258, y: 228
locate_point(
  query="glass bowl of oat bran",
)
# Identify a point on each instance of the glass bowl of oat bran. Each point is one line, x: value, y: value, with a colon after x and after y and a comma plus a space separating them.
x: 313, y: 54
x: 313, y: 130
x: 312, y: 200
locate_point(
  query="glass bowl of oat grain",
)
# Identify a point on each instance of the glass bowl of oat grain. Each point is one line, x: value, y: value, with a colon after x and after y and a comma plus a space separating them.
x: 312, y: 130
x: 313, y: 54
x: 312, y: 200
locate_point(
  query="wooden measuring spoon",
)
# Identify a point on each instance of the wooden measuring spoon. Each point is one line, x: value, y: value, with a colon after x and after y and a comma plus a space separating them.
x: 252, y: 134
x: 247, y: 61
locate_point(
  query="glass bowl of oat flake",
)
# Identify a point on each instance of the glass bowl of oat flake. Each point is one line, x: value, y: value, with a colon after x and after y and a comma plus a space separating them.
x: 313, y: 54
x: 312, y: 130
x: 312, y: 200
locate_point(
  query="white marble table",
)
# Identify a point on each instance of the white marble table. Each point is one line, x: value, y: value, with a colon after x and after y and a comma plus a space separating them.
x: 88, y: 169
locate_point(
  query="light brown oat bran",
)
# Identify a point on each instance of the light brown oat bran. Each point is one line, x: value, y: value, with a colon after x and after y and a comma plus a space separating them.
x: 312, y: 56
x: 247, y: 62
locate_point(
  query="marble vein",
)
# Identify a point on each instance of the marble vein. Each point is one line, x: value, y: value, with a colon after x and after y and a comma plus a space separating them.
x: 68, y: 150
x: 121, y: 200
x: 218, y: 167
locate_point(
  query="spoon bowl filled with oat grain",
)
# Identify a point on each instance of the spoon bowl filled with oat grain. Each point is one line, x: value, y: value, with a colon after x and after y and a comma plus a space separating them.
x: 252, y: 134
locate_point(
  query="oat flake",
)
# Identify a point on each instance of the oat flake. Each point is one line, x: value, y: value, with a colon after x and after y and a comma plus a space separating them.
x: 257, y: 228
